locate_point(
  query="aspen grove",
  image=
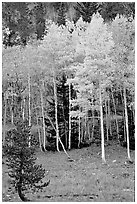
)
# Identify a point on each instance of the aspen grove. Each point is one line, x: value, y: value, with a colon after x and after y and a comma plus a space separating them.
x: 75, y: 87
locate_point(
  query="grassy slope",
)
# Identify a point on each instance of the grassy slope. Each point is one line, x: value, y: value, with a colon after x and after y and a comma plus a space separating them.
x: 86, y: 179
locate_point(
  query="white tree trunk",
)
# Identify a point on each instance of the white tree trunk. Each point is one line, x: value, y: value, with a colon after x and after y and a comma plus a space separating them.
x: 109, y: 117
x: 102, y: 128
x: 38, y: 130
x: 4, y: 121
x: 43, y: 120
x: 29, y: 107
x: 79, y: 135
x: 23, y: 109
x: 93, y: 126
x: 126, y: 118
x: 106, y: 120
x: 56, y: 112
x: 69, y: 140
x: 115, y: 113
x: 122, y: 100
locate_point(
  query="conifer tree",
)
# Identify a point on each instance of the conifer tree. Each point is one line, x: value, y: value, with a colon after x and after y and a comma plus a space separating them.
x: 24, y: 173
x: 61, y: 19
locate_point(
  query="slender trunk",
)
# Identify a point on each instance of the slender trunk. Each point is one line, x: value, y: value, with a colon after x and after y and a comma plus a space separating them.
x: 59, y: 137
x: 124, y: 125
x: 69, y: 147
x: 126, y: 118
x: 106, y: 120
x: 115, y: 113
x: 88, y: 128
x: 21, y: 195
x: 93, y: 126
x: 29, y: 112
x: 79, y: 131
x: 4, y: 121
x: 82, y: 135
x: 12, y: 115
x: 38, y: 129
x: 23, y: 109
x: 109, y: 114
x: 102, y: 128
x: 19, y: 183
x: 65, y: 127
x: 56, y: 112
x: 85, y: 133
x: 43, y: 120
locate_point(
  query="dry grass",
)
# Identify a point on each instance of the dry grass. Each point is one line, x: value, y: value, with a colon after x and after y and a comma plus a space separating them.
x: 86, y: 179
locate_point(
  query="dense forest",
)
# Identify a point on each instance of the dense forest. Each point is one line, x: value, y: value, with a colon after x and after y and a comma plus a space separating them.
x: 68, y: 71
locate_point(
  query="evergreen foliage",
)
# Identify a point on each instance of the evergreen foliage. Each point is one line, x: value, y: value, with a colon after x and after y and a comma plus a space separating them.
x: 61, y: 19
x: 24, y: 173
x: 86, y: 10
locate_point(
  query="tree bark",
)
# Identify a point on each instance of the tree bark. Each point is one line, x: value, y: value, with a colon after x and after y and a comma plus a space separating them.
x: 102, y: 128
x: 109, y: 114
x: 23, y: 109
x: 19, y: 183
x: 126, y: 118
x: 43, y: 120
x: 4, y: 122
x: 21, y: 195
x: 69, y: 141
x: 115, y: 113
x: 79, y: 135
x: 122, y: 102
x: 59, y: 137
x: 56, y: 111
x: 93, y: 126
x: 38, y: 130
x: 106, y: 120
x: 65, y: 127
x: 29, y: 112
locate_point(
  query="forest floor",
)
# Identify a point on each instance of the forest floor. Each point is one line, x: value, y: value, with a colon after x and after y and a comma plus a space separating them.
x: 86, y: 179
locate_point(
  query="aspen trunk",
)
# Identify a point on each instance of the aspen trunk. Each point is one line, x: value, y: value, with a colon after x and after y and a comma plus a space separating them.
x: 38, y: 130
x: 65, y: 127
x: 124, y: 127
x: 88, y: 129
x: 102, y: 128
x: 79, y: 131
x: 115, y: 113
x: 12, y: 114
x: 110, y: 129
x: 43, y: 120
x: 82, y: 134
x: 56, y: 112
x: 29, y: 112
x: 4, y: 121
x: 23, y: 109
x: 93, y: 126
x: 85, y: 133
x: 69, y: 140
x: 126, y: 119
x: 122, y: 102
x: 106, y: 120
x: 59, y: 137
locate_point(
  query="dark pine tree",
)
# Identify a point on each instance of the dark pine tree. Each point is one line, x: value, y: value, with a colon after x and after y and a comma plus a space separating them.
x: 86, y: 10
x: 61, y: 17
x: 40, y: 20
x: 24, y: 173
x: 109, y: 10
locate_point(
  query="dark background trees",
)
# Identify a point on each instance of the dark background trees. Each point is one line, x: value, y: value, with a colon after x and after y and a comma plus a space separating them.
x: 25, y: 20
